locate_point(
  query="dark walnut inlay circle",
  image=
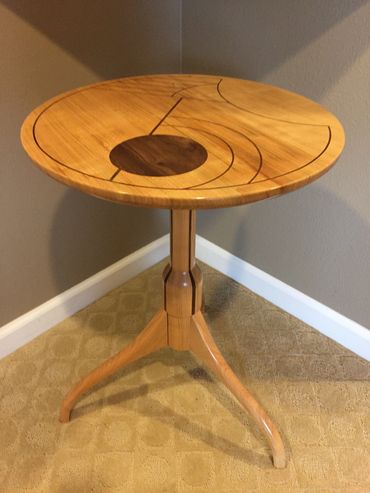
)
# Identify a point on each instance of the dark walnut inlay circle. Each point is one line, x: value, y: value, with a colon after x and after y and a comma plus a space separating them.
x: 158, y: 155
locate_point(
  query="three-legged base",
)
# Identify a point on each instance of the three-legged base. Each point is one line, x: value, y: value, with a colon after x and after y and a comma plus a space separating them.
x: 181, y: 326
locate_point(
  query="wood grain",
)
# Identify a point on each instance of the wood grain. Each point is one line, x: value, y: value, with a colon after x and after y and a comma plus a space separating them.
x: 259, y: 140
x: 158, y: 155
x: 183, y: 283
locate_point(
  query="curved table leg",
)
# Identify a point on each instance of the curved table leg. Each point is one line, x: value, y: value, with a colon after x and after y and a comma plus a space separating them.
x: 204, y: 347
x: 152, y: 338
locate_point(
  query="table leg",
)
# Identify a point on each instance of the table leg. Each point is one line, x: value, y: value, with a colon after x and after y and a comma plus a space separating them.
x: 204, y: 347
x: 181, y: 326
x: 150, y: 339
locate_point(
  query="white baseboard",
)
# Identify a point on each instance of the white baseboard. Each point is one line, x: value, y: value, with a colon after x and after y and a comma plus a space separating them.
x: 327, y: 321
x: 33, y: 323
x: 341, y: 329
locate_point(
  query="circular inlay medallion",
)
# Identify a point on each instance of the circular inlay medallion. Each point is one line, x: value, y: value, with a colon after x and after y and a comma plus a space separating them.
x: 158, y: 155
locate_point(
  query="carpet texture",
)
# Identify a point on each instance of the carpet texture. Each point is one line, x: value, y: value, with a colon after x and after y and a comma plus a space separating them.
x: 164, y: 424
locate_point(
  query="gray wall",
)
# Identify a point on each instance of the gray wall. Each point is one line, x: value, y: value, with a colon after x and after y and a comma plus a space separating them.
x: 53, y: 237
x: 316, y: 239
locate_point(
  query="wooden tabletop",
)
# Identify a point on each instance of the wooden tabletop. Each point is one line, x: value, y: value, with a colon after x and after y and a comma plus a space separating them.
x: 182, y: 141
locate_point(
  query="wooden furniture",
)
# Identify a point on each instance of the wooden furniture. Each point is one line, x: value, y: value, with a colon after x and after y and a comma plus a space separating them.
x: 182, y: 142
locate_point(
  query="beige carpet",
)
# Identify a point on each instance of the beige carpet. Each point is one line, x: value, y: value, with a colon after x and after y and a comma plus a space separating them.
x: 164, y: 425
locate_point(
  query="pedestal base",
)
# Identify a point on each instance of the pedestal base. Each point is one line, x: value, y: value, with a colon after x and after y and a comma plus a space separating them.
x: 181, y: 326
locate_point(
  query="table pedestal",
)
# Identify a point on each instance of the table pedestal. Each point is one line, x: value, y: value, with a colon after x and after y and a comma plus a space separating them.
x: 181, y: 326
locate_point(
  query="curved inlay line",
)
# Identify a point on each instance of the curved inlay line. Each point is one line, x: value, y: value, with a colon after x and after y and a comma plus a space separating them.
x: 229, y: 166
x: 118, y: 171
x: 60, y: 162
x: 304, y: 165
x: 161, y: 188
x: 260, y: 164
x: 260, y: 114
x: 250, y: 182
x: 272, y: 178
x: 225, y: 171
x: 194, y: 187
x: 192, y: 87
x: 65, y: 96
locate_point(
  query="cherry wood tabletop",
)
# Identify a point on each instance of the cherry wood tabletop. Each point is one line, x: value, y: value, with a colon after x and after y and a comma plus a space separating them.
x: 182, y: 141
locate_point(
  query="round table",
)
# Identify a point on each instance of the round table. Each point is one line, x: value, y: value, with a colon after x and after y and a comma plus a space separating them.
x: 182, y: 142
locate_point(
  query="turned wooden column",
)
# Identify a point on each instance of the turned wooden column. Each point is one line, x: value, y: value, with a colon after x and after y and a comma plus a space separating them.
x: 182, y: 279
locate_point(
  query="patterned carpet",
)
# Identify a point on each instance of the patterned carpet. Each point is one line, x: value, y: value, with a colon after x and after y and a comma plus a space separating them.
x: 164, y: 424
